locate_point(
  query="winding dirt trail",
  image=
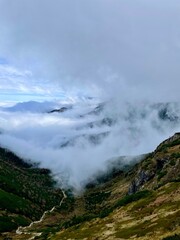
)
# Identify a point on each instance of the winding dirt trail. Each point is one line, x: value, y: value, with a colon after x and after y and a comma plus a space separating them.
x: 24, y: 230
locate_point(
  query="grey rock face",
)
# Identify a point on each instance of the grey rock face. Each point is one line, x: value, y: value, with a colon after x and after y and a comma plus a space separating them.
x: 138, y: 182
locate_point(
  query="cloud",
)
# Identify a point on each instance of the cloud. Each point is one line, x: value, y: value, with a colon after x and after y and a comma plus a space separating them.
x: 19, y: 84
x: 97, y: 44
x: 128, y: 50
x: 39, y: 136
x: 13, y: 79
x: 22, y: 81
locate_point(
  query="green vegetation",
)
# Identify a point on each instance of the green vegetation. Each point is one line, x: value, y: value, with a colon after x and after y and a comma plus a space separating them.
x: 16, y: 204
x: 174, y: 237
x: 169, y: 145
x: 77, y: 220
x: 24, y: 191
x: 148, y: 213
x: 161, y: 174
x: 176, y: 155
x: 67, y: 205
x: 9, y: 223
x: 105, y: 210
x: 12, y: 158
x: 124, y: 201
x: 93, y: 199
x: 132, y: 198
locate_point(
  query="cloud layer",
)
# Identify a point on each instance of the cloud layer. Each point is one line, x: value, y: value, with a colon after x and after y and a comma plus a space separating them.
x: 122, y: 49
x: 128, y: 48
x: 39, y: 137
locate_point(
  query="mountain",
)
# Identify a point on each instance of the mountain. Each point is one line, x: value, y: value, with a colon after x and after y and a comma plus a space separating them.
x: 139, y: 202
x: 37, y: 107
x: 31, y: 106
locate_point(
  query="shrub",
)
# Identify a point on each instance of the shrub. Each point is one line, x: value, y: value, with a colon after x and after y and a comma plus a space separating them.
x: 174, y: 237
x: 161, y: 174
x: 131, y: 198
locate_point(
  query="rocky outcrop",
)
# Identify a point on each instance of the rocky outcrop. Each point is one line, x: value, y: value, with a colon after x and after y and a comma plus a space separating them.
x: 157, y: 165
x: 139, y: 181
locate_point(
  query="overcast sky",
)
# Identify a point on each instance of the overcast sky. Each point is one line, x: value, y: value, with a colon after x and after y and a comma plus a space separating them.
x: 128, y: 48
x: 54, y: 49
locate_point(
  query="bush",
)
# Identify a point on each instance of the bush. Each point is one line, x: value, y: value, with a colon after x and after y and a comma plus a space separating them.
x: 176, y: 155
x: 174, y: 237
x: 97, y: 198
x: 9, y: 223
x: 161, y: 174
x: 131, y: 198
x: 106, y: 211
x: 78, y: 219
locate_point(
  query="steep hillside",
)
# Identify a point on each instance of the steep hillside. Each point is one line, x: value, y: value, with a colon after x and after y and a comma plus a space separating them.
x: 140, y: 203
x: 25, y: 192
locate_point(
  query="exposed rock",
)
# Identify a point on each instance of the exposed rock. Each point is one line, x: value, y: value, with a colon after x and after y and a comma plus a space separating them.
x: 138, y: 182
x: 160, y: 163
x: 157, y: 167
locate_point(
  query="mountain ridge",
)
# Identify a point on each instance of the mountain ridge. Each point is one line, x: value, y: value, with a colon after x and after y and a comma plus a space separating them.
x: 111, y: 210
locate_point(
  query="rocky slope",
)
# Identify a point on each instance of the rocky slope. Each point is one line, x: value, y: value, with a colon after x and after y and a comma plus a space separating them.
x: 142, y: 202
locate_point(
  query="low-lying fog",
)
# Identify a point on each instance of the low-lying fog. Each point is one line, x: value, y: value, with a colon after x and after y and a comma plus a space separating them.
x: 76, y: 143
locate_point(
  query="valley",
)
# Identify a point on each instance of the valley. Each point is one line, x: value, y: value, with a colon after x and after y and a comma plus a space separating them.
x: 141, y: 202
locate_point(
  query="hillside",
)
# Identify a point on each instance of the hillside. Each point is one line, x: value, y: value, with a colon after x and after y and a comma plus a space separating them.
x: 25, y: 192
x: 140, y: 203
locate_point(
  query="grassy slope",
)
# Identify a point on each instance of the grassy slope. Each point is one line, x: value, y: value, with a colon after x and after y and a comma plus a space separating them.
x: 107, y: 212
x: 25, y: 192
x: 151, y: 213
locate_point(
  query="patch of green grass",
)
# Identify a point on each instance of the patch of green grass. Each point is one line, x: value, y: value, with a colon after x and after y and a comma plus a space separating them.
x: 106, y: 211
x: 176, y: 155
x: 142, y: 204
x: 131, y: 198
x: 138, y: 230
x: 94, y: 199
x: 78, y: 232
x: 10, y: 157
x: 168, y: 145
x: 9, y: 223
x: 165, y: 224
x: 161, y: 174
x: 172, y: 162
x: 25, y: 190
x: 176, y: 180
x: 67, y: 205
x: 174, y: 237
x: 170, y: 187
x: 77, y: 220
x: 125, y: 201
x: 16, y: 204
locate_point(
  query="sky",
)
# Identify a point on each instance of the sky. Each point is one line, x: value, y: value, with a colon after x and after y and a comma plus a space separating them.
x: 125, y: 53
x: 124, y: 48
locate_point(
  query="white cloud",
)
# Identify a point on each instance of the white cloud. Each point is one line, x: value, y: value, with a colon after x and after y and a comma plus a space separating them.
x: 81, y: 44
x: 19, y: 83
x: 39, y: 136
x: 128, y: 50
